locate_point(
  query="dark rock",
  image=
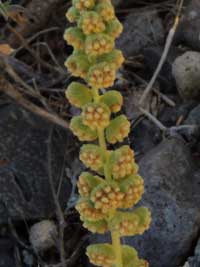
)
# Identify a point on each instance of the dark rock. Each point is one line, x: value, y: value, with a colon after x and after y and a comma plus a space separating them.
x: 152, y: 57
x: 172, y: 194
x: 141, y: 30
x: 7, y: 253
x: 188, y: 31
x: 24, y: 184
x: 195, y: 261
x: 194, y: 116
x: 186, y: 71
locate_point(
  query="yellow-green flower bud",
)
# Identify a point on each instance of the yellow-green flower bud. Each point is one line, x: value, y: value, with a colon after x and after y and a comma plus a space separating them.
x: 87, y: 211
x: 78, y: 94
x: 114, y: 28
x: 115, y: 57
x: 113, y: 100
x: 82, y: 131
x: 91, y: 22
x: 107, y: 197
x: 98, y: 44
x: 106, y: 11
x: 82, y: 5
x: 101, y: 255
x: 102, y: 75
x: 92, y: 157
x: 99, y: 227
x: 96, y: 115
x: 75, y: 37
x: 78, y: 64
x: 131, y: 259
x: 87, y: 182
x: 133, y: 189
x: 122, y: 163
x: 131, y: 223
x: 72, y: 14
x: 118, y: 129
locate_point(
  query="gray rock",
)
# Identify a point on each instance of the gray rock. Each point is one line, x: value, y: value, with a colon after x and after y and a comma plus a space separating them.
x: 172, y: 194
x: 188, y: 31
x: 25, y: 191
x: 194, y: 116
x: 140, y: 30
x: 43, y: 235
x: 186, y: 71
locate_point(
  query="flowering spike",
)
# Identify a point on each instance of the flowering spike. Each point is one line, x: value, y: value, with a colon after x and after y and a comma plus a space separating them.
x: 113, y: 100
x: 96, y: 60
x: 118, y: 129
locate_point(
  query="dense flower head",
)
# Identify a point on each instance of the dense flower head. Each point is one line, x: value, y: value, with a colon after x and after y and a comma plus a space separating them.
x: 102, y: 75
x: 88, y: 211
x: 91, y: 156
x: 99, y: 227
x: 113, y: 99
x: 78, y: 64
x: 107, y: 197
x: 96, y: 115
x: 82, y: 5
x: 91, y: 22
x: 87, y: 182
x: 101, y: 255
x: 72, y: 14
x: 114, y: 28
x: 115, y: 57
x: 75, y: 37
x: 78, y: 94
x: 131, y: 223
x: 98, y: 44
x: 133, y: 189
x: 106, y: 11
x: 82, y: 131
x: 122, y: 163
x: 118, y: 129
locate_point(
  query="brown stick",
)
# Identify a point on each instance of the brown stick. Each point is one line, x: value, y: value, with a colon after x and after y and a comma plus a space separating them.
x: 7, y: 88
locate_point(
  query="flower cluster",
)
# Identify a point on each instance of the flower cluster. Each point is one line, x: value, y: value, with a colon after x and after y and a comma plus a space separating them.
x: 112, y: 182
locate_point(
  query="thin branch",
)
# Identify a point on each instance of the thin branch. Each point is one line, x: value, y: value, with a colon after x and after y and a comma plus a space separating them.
x: 7, y: 88
x: 164, y: 55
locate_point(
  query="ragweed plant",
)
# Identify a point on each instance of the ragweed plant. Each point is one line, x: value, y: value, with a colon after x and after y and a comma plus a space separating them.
x: 113, y: 185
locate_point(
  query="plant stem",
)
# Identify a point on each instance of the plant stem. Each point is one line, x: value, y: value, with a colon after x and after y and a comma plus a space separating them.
x: 116, y: 243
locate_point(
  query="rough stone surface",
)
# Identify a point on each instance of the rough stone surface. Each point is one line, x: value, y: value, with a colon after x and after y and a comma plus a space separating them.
x: 140, y: 30
x: 24, y: 184
x: 172, y: 194
x: 188, y: 32
x: 186, y: 71
x: 43, y: 235
x: 194, y: 116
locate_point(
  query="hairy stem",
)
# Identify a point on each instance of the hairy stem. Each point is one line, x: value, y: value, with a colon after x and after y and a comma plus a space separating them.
x: 102, y: 143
